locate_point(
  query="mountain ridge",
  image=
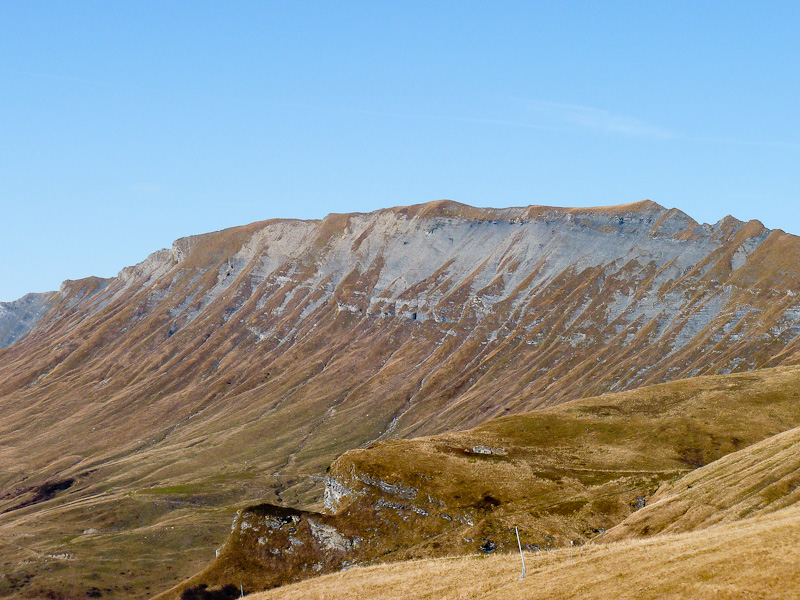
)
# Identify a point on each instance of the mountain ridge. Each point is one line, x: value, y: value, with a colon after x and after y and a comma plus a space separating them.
x: 197, y: 286
x: 241, y: 363
x: 442, y: 207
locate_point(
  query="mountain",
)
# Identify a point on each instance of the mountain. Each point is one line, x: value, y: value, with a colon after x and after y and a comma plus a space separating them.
x: 235, y: 367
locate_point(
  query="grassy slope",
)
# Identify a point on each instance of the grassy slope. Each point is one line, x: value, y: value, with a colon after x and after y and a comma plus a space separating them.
x: 761, y: 479
x: 127, y: 524
x: 577, y: 467
x: 756, y: 558
x: 567, y: 472
x: 570, y: 460
x: 738, y: 520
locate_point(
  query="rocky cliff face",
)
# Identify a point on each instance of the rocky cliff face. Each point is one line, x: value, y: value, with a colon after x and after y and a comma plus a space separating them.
x: 19, y: 317
x: 281, y: 344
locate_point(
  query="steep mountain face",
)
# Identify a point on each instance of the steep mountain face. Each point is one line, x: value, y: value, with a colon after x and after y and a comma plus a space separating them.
x: 445, y: 313
x: 243, y: 362
x: 19, y: 317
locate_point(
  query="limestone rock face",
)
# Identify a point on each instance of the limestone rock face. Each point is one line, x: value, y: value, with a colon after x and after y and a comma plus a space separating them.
x: 411, y: 320
x: 19, y: 317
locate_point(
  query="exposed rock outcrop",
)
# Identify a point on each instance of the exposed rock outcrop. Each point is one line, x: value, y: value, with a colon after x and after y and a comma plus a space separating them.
x: 19, y: 317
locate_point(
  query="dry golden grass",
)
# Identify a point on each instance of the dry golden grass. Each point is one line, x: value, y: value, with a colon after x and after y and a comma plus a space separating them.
x: 574, y: 469
x: 760, y: 479
x: 565, y: 473
x: 757, y: 558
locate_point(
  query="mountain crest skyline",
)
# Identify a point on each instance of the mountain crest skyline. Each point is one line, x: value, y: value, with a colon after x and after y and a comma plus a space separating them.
x: 246, y: 361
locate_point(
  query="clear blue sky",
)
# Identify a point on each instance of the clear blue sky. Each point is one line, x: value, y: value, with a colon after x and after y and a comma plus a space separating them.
x: 126, y: 125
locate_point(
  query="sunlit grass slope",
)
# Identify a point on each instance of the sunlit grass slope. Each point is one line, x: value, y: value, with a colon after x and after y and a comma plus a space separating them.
x: 757, y: 480
x: 563, y: 474
x: 756, y: 558
x: 572, y: 470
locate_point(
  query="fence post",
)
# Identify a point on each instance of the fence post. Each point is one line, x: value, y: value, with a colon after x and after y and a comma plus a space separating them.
x: 520, y: 553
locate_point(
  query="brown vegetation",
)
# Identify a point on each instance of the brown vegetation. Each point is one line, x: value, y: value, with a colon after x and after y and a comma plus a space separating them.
x: 757, y: 558
x: 563, y: 475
